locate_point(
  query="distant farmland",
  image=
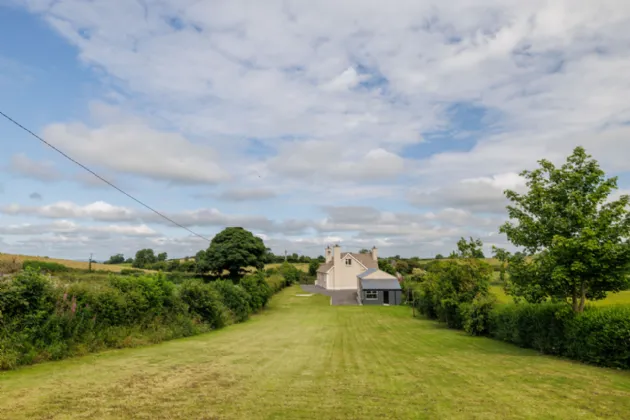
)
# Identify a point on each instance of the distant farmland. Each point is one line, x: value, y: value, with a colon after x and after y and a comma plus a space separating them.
x: 81, y: 265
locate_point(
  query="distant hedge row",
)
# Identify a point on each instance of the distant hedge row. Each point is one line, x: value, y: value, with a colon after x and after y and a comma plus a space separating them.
x: 457, y: 293
x: 40, y: 321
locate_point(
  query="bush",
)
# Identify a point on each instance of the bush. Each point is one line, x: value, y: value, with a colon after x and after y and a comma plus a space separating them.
x: 235, y: 298
x: 538, y: 326
x: 205, y: 301
x: 40, y: 321
x: 131, y: 272
x: 49, y: 267
x: 600, y: 336
x: 258, y: 289
x: 475, y: 316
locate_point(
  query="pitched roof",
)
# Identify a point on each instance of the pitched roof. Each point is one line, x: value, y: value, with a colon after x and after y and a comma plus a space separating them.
x: 373, y: 274
x: 371, y: 284
x: 367, y: 272
x: 325, y: 267
x: 365, y: 259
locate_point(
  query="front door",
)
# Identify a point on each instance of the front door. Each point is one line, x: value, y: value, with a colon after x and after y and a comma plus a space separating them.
x: 385, y: 297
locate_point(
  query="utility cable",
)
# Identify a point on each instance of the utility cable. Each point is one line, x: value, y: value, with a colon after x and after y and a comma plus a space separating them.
x: 101, y: 178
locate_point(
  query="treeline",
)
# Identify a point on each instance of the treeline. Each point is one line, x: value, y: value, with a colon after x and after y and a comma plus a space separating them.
x: 41, y: 320
x: 574, y: 249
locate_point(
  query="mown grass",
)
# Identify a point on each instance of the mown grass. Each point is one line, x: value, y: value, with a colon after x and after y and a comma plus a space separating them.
x: 304, y: 359
x: 68, y: 263
x: 621, y: 298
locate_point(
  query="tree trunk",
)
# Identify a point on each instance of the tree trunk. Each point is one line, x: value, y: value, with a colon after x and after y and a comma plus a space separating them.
x: 574, y: 300
x: 582, y: 297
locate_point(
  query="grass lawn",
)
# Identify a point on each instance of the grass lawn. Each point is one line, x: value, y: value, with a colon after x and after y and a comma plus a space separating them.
x: 299, y: 266
x: 305, y: 359
x: 621, y: 298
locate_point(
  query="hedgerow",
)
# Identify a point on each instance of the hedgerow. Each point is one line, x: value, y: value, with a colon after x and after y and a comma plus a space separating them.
x: 39, y: 320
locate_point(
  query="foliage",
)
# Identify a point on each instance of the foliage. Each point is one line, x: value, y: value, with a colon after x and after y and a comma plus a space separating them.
x: 144, y: 257
x: 364, y: 251
x: 162, y: 256
x: 43, y: 266
x: 576, y: 238
x: 475, y: 315
x: 9, y: 265
x: 291, y: 273
x: 439, y: 257
x: 502, y: 256
x: 449, y: 284
x: 598, y: 335
x: 312, y: 267
x: 385, y: 266
x: 470, y: 248
x: 235, y: 298
x: 41, y: 321
x: 115, y: 259
x: 234, y: 249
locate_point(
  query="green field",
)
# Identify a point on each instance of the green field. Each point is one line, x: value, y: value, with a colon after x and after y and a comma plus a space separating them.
x: 621, y: 298
x: 304, y: 359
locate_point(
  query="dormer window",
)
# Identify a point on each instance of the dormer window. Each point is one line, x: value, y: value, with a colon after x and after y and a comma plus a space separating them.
x: 349, y: 261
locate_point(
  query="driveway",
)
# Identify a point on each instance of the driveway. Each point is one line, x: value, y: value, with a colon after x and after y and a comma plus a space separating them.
x: 338, y: 297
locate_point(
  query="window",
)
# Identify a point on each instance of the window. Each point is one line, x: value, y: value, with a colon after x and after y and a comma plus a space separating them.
x: 371, y: 294
x: 349, y: 261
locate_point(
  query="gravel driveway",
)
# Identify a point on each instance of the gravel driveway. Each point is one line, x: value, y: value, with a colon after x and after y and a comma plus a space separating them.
x: 339, y: 297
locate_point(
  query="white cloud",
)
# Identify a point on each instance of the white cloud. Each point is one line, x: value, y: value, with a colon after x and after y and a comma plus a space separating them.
x: 339, y: 95
x: 44, y: 171
x: 130, y: 146
x: 65, y: 228
x: 99, y: 211
x: 247, y: 194
x: 482, y: 194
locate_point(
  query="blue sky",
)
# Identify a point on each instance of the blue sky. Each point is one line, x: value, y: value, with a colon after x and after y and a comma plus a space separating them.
x: 307, y: 123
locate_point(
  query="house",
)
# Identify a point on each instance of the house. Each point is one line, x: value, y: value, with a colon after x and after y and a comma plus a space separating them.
x: 351, y: 271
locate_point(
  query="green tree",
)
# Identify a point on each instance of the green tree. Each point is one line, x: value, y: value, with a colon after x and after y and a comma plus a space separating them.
x: 143, y: 258
x: 202, y: 263
x: 129, y: 261
x: 502, y: 255
x: 116, y: 259
x: 162, y: 256
x: 575, y: 237
x: 439, y: 257
x: 470, y: 248
x: 385, y: 266
x: 364, y: 251
x: 312, y: 267
x: 235, y: 249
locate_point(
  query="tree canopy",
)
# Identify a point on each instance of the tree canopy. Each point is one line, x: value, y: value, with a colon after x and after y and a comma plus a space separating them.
x: 235, y: 249
x: 116, y: 259
x: 469, y: 249
x: 575, y: 238
x: 144, y: 257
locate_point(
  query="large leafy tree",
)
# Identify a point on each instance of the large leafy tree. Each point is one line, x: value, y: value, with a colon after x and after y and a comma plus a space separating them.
x: 235, y: 249
x: 144, y: 257
x: 575, y: 237
x: 469, y: 249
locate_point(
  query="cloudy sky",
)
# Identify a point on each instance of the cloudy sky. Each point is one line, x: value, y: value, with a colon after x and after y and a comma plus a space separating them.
x: 389, y: 123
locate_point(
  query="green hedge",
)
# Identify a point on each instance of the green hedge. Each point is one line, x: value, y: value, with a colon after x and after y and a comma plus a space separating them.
x: 599, y: 335
x: 40, y: 321
x: 50, y: 267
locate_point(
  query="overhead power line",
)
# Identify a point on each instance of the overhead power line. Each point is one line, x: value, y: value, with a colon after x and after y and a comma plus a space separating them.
x: 101, y: 178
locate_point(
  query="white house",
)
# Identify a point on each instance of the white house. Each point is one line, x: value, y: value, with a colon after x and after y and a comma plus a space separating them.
x: 340, y: 270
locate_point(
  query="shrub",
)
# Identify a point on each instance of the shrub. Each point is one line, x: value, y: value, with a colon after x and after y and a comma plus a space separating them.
x: 131, y: 272
x: 234, y: 297
x: 258, y: 289
x: 49, y: 267
x: 538, y: 326
x: 475, y: 316
x: 205, y: 302
x: 600, y: 336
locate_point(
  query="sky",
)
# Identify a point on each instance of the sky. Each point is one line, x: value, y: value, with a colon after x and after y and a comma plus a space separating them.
x: 394, y: 124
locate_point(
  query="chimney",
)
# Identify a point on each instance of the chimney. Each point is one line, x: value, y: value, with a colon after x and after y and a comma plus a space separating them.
x: 337, y: 255
x: 374, y: 254
x: 329, y: 256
